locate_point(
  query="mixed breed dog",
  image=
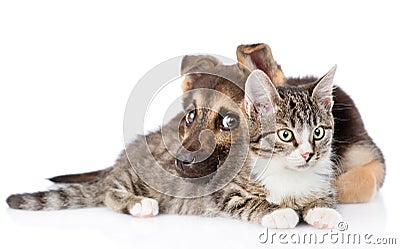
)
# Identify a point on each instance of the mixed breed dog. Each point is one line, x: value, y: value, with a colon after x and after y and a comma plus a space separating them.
x: 306, y: 150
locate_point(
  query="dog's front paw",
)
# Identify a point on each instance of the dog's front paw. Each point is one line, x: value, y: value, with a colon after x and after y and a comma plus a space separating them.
x: 281, y: 218
x: 147, y: 207
x: 324, y: 218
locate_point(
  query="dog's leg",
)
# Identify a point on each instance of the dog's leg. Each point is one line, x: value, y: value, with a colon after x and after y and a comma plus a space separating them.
x: 363, y: 175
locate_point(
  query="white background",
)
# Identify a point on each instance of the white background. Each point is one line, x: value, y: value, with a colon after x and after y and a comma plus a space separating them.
x: 67, y: 69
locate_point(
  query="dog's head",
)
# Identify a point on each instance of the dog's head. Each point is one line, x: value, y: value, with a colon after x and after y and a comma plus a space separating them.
x: 212, y: 100
x: 216, y: 108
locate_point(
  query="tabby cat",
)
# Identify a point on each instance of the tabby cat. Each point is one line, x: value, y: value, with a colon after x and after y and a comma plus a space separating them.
x: 290, y: 136
x: 359, y: 163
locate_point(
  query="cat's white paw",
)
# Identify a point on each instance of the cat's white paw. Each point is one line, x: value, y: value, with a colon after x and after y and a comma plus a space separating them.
x: 147, y: 207
x: 281, y: 218
x: 324, y: 218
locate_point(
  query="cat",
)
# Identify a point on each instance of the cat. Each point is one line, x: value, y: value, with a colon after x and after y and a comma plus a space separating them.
x: 262, y: 201
x: 359, y: 163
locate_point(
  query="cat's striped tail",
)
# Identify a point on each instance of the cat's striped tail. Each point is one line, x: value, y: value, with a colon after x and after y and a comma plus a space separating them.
x: 66, y: 197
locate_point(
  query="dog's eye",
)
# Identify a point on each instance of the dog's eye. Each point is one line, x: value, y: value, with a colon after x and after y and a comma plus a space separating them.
x: 190, y: 116
x: 229, y: 122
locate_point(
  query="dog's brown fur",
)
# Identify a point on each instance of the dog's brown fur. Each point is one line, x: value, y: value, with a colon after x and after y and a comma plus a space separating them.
x: 361, y: 167
x: 207, y: 107
x: 359, y: 183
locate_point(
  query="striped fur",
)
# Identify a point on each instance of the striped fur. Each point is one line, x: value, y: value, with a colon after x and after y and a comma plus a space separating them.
x: 121, y: 189
x: 65, y: 197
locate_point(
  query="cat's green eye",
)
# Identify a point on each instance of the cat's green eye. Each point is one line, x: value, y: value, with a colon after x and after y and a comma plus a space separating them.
x: 285, y: 135
x: 319, y: 133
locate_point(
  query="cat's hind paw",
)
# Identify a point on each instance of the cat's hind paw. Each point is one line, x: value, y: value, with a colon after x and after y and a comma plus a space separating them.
x: 281, y: 218
x: 147, y: 207
x: 323, y: 218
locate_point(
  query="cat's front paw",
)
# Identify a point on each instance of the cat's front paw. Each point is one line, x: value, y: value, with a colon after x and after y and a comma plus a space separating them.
x: 147, y: 207
x: 324, y: 218
x: 281, y: 218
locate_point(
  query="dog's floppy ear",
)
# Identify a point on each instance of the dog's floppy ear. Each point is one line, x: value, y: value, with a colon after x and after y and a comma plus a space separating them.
x: 198, y: 63
x: 259, y: 56
x: 194, y: 65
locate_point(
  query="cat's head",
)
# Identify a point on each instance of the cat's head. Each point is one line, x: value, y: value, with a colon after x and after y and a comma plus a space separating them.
x: 296, y: 123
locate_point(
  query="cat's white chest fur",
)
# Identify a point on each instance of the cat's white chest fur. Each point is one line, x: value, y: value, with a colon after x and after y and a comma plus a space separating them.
x: 282, y: 182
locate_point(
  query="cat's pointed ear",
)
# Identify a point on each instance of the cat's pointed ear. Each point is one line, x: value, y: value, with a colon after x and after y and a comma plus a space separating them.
x: 259, y: 56
x: 322, y: 91
x: 260, y: 95
x: 193, y: 66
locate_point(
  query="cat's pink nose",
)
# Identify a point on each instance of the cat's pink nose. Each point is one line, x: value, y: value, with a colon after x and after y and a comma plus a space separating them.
x: 307, y: 156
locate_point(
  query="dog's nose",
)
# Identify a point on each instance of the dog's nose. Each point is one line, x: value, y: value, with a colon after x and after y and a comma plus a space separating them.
x: 307, y: 156
x: 183, y: 164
